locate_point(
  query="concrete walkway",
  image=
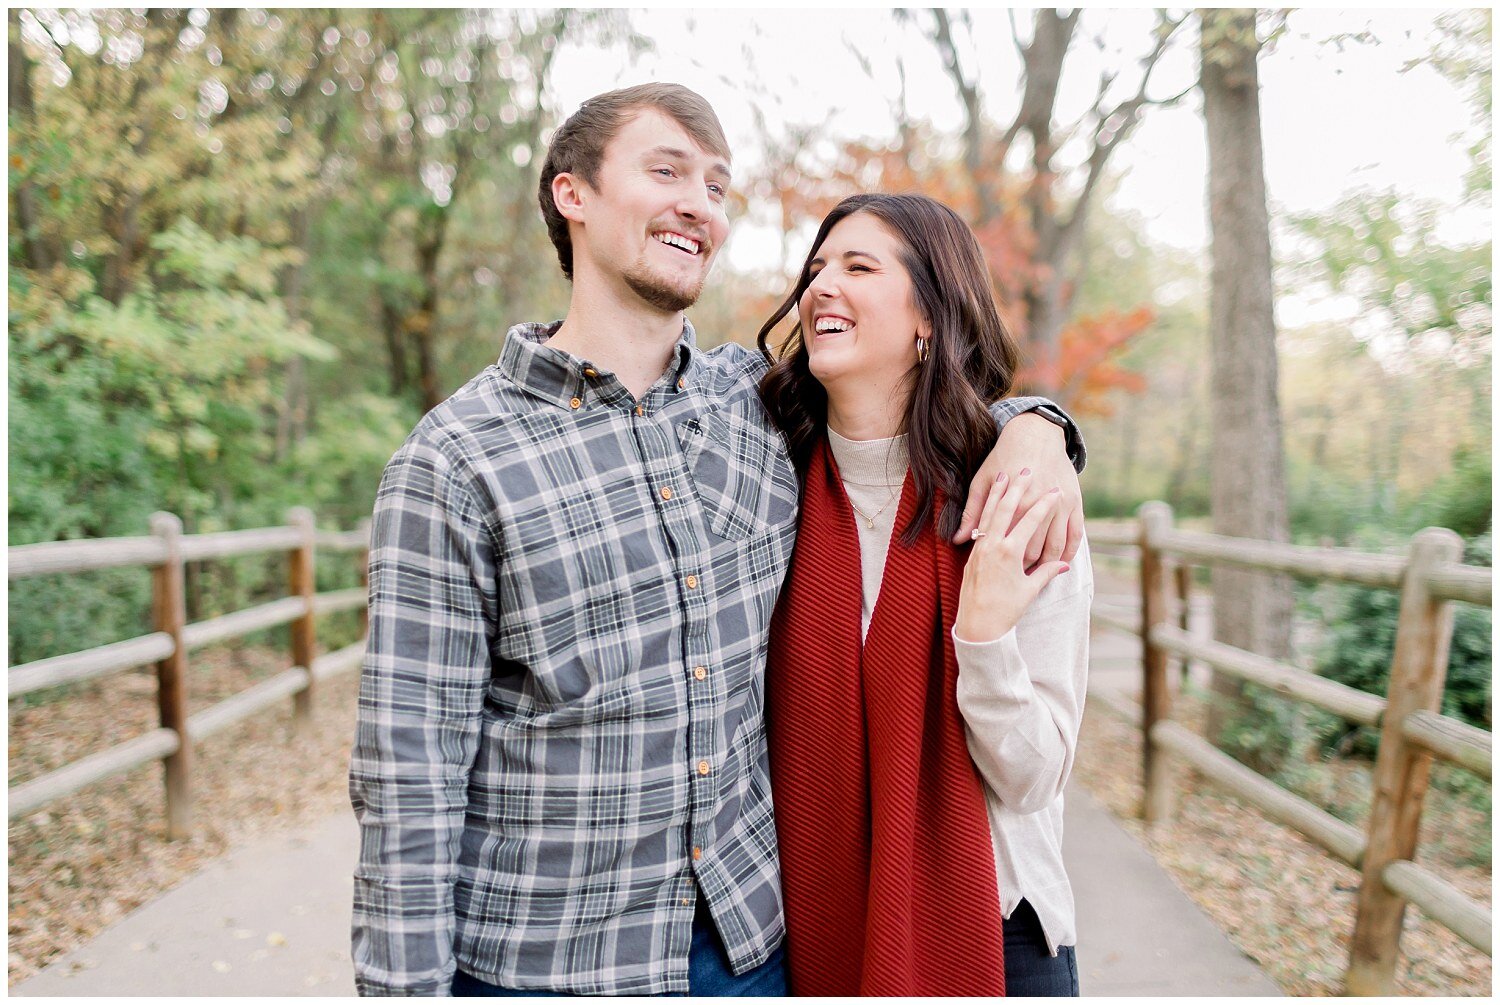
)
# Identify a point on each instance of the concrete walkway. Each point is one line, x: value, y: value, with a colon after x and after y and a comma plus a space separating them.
x: 272, y: 918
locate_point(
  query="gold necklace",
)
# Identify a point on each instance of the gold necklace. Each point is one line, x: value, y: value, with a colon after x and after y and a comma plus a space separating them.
x: 870, y: 520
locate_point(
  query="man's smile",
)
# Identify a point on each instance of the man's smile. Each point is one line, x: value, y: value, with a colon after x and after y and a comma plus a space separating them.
x: 681, y: 242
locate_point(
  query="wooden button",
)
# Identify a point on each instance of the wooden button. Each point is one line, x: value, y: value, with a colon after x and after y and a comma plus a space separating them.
x: 700, y: 672
x: 692, y: 582
x: 681, y: 383
x: 687, y: 902
x: 702, y: 767
x: 666, y: 493
x: 576, y: 402
x: 639, y: 410
x: 697, y: 854
x: 590, y: 372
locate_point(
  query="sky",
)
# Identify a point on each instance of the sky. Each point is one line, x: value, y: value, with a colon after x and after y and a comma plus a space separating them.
x: 1335, y: 117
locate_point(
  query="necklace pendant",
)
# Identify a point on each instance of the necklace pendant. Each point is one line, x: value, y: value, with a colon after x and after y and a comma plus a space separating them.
x: 869, y: 523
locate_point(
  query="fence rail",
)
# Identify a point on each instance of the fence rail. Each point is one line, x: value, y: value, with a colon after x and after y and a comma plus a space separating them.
x: 165, y: 553
x: 1413, y: 731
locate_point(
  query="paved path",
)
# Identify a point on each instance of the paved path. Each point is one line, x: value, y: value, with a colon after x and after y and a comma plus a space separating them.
x: 272, y: 918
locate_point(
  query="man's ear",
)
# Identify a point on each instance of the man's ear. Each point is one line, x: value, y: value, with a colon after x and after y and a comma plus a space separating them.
x: 569, y: 194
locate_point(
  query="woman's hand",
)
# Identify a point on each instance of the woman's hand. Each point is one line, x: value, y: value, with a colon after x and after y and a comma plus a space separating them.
x: 1030, y: 441
x: 997, y: 589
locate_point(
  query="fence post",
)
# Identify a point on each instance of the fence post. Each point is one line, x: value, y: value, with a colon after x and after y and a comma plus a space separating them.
x: 303, y: 583
x: 1156, y: 696
x: 1418, y: 670
x: 169, y: 614
x: 1184, y: 575
x: 364, y: 577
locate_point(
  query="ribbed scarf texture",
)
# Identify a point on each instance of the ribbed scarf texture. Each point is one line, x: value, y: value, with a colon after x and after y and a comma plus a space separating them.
x: 887, y: 869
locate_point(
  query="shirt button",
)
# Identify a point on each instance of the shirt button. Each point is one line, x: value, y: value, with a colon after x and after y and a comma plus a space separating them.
x: 687, y: 902
x: 697, y: 854
x: 640, y: 410
x: 692, y: 582
x: 591, y: 372
x: 700, y: 672
x: 666, y: 493
x: 681, y: 383
x: 576, y: 402
x: 702, y: 767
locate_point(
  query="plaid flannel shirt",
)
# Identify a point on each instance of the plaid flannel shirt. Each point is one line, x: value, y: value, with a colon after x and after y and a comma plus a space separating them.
x: 560, y: 742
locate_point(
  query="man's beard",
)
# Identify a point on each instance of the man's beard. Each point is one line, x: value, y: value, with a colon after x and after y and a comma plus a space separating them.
x: 657, y: 292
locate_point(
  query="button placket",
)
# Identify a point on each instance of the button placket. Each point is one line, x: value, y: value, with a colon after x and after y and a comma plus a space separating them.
x: 686, y: 527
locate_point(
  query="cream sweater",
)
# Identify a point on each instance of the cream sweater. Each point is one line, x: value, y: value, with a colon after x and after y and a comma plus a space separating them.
x: 1021, y: 695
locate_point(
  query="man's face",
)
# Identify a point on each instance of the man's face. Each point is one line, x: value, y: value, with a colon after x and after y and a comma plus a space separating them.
x: 657, y: 218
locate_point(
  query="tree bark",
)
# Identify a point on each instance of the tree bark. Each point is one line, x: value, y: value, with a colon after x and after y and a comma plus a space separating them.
x: 423, y: 324
x: 21, y: 104
x: 1252, y: 611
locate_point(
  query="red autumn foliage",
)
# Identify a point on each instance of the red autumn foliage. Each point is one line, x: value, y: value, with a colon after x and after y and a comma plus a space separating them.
x: 1087, y: 365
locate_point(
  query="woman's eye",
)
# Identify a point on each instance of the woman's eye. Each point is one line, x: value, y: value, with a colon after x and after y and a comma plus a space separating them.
x: 664, y: 171
x: 859, y: 268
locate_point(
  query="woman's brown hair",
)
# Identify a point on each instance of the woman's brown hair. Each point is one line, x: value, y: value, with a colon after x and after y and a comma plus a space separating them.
x: 971, y: 360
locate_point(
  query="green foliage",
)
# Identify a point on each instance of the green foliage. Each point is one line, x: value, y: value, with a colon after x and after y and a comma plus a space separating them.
x: 1384, y: 249
x: 1270, y: 734
x: 1360, y: 641
x: 1461, y: 499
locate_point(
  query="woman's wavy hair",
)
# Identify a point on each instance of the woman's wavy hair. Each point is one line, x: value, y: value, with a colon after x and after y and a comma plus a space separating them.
x: 971, y: 361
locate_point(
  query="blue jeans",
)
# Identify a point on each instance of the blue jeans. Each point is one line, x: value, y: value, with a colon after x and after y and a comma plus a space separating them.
x: 709, y: 973
x: 1031, y: 971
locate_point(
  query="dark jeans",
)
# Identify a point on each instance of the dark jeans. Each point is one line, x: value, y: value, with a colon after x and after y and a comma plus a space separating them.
x: 1030, y: 969
x: 708, y: 971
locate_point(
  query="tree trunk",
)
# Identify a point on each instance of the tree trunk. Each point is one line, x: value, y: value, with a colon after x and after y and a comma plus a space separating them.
x: 21, y: 103
x: 423, y: 325
x: 1252, y: 611
x: 393, y: 324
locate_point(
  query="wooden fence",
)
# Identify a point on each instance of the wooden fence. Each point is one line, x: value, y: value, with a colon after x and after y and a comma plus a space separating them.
x: 1430, y: 577
x: 166, y: 552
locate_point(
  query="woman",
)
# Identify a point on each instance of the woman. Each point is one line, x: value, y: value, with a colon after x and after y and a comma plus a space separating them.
x: 923, y: 703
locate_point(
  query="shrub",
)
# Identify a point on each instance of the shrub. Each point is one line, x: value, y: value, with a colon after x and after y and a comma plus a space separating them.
x: 1361, y: 640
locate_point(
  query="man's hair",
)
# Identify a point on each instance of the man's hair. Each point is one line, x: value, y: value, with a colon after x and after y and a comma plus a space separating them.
x: 578, y: 145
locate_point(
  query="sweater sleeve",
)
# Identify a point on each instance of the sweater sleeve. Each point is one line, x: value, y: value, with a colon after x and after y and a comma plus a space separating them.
x: 1022, y: 695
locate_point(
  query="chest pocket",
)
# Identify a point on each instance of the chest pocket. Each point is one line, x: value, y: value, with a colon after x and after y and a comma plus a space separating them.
x: 737, y: 470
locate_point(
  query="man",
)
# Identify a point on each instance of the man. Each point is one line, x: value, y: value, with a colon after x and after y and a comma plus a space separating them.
x: 560, y: 764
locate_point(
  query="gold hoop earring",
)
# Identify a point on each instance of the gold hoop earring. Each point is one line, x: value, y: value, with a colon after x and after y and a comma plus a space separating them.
x: 923, y: 349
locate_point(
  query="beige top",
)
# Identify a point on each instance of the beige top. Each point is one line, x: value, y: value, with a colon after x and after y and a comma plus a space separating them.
x: 1021, y: 695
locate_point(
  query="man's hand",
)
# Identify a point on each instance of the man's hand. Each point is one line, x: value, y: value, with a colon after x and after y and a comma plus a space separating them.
x: 1034, y: 443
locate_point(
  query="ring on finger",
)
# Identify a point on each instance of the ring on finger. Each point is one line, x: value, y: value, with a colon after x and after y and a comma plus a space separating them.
x: 976, y: 534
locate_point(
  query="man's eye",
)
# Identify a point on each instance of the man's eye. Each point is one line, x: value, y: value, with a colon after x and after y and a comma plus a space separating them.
x: 717, y: 190
x: 665, y: 171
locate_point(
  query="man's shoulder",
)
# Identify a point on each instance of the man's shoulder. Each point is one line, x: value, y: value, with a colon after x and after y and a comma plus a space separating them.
x: 731, y: 370
x: 476, y: 413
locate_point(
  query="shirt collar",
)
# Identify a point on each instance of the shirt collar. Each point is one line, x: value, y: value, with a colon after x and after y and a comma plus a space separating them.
x: 560, y: 378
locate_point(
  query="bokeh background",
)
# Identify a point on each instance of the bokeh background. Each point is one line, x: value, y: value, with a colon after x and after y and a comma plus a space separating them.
x: 249, y: 248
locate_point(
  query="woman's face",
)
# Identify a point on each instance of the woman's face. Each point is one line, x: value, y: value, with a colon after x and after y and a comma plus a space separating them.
x: 859, y: 315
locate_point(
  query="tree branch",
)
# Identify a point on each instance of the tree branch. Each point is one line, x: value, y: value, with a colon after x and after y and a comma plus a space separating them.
x: 968, y: 93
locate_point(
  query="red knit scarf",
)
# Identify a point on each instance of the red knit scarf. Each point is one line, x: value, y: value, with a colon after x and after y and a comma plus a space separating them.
x: 887, y: 868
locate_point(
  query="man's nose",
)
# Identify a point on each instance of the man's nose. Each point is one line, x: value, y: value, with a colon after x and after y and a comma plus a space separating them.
x: 693, y: 204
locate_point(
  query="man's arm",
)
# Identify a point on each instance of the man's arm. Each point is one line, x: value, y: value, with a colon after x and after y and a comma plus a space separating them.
x: 1035, y: 434
x: 417, y: 731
